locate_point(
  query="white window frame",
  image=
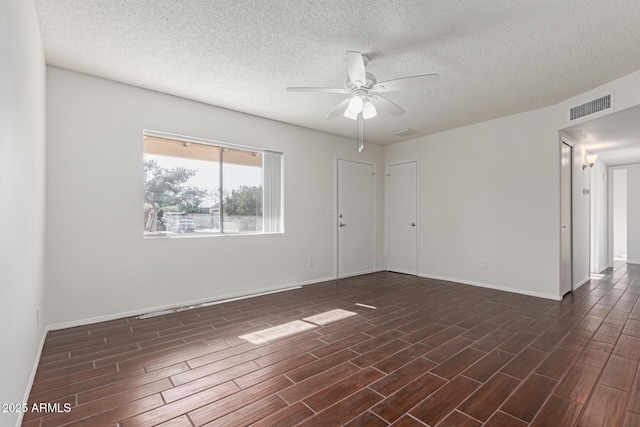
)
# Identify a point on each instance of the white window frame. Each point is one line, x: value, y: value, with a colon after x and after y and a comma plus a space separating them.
x: 272, y: 186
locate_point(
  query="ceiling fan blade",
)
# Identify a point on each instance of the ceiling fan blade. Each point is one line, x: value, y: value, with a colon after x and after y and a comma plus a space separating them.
x: 355, y: 68
x: 316, y: 89
x: 338, y: 109
x: 406, y: 83
x: 387, y: 106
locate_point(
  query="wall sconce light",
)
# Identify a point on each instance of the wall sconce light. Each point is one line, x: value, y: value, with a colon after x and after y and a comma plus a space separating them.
x: 591, y: 159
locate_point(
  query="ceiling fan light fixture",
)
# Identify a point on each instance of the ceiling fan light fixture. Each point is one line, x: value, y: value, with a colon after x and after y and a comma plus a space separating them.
x: 350, y: 114
x: 356, y: 104
x: 368, y: 110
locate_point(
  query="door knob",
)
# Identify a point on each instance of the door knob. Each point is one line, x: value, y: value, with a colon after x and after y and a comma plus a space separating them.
x: 413, y: 224
x: 343, y: 225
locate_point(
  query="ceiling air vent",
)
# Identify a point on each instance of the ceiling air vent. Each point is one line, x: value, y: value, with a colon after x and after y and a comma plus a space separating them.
x: 405, y: 132
x: 590, y: 107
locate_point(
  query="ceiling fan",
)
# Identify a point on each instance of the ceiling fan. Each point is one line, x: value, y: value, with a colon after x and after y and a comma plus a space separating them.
x: 364, y: 100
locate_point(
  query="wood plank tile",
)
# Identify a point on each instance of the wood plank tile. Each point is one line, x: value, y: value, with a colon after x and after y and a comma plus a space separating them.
x: 525, y: 402
x: 443, y: 336
x: 606, y: 407
x: 524, y: 363
x: 480, y: 330
x: 100, y: 369
x: 320, y: 365
x: 373, y: 343
x: 634, y: 399
x: 439, y: 404
x: 340, y: 345
x: 457, y: 363
x: 608, y: 333
x: 500, y: 419
x: 274, y: 370
x: 214, y: 367
x: 345, y: 410
x: 394, y: 406
x: 226, y: 405
x: 317, y: 382
x: 288, y: 353
x: 628, y: 346
x: 518, y: 342
x: 578, y: 383
x: 632, y: 420
x: 492, y: 340
x: 120, y: 412
x: 209, y: 381
x: 596, y: 353
x: 401, y: 358
x: 423, y: 333
x: 367, y: 419
x: 182, y: 421
x: 482, y: 404
x: 401, y: 377
x: 142, y: 393
x: 448, y: 349
x: 549, y: 339
x: 458, y: 419
x: 484, y: 368
x: 407, y: 421
x: 632, y: 328
x: 590, y: 323
x: 619, y: 373
x: 250, y: 413
x: 287, y: 417
x: 557, y: 411
x: 337, y: 391
x: 557, y: 363
x: 167, y: 412
x: 380, y: 353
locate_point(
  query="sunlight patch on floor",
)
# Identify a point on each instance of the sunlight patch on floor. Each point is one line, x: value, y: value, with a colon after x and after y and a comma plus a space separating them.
x: 266, y: 336
x: 329, y: 316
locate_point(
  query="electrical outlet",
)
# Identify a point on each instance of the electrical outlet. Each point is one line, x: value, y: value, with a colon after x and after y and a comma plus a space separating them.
x: 310, y: 264
x: 485, y: 264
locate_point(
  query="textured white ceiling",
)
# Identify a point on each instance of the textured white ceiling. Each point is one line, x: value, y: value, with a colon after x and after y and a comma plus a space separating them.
x: 494, y: 57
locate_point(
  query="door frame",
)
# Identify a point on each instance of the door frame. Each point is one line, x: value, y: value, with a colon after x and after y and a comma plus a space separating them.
x: 387, y: 210
x: 567, y: 141
x: 336, y: 219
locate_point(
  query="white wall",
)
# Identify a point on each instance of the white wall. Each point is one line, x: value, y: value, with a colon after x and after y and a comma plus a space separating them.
x: 22, y: 118
x: 599, y: 217
x: 491, y: 192
x: 619, y: 212
x: 98, y: 263
x: 581, y: 213
x: 633, y: 214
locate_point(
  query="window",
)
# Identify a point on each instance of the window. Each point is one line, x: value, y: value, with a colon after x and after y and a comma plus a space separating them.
x: 195, y: 187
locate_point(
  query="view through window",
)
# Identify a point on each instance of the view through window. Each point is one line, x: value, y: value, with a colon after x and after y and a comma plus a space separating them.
x: 196, y: 188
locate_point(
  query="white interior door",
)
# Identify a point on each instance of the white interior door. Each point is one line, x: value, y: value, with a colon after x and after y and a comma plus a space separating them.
x: 356, y: 218
x: 566, y: 269
x: 402, y: 237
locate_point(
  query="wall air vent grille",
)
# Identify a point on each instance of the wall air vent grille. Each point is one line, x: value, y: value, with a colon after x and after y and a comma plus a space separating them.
x: 590, y: 107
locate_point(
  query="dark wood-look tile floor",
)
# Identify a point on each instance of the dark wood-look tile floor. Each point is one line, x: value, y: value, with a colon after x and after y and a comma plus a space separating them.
x: 431, y: 353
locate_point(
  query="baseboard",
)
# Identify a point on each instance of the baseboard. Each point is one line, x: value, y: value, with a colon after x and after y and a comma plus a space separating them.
x: 633, y: 262
x: 32, y: 377
x: 219, y: 299
x: 498, y: 288
x: 359, y: 273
